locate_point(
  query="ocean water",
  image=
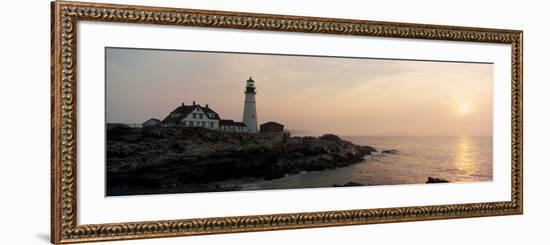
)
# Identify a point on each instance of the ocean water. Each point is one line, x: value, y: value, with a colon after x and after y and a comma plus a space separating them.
x: 454, y: 158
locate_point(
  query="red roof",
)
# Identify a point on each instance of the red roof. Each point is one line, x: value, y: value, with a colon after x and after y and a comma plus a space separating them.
x: 272, y: 123
x: 226, y: 122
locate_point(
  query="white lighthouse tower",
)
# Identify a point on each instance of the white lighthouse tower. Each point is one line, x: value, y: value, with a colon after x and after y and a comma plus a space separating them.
x: 249, y: 113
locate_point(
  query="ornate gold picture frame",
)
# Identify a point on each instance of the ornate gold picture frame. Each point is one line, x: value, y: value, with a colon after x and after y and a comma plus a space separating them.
x: 64, y: 188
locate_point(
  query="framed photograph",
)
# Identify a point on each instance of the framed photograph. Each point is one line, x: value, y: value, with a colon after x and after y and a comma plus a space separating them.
x: 175, y: 122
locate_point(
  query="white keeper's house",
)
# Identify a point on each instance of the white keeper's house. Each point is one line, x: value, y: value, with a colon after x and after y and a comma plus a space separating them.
x: 195, y: 115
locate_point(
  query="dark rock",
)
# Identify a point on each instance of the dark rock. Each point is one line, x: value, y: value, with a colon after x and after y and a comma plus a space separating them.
x: 171, y: 157
x: 330, y: 137
x: 392, y: 151
x: 367, y: 150
x: 117, y: 126
x: 350, y: 183
x: 326, y: 157
x: 436, y: 180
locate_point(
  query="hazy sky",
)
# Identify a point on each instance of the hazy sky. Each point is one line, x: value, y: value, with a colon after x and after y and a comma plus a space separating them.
x: 315, y: 94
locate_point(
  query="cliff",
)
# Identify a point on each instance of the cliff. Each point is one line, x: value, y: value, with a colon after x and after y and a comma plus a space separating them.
x: 153, y: 159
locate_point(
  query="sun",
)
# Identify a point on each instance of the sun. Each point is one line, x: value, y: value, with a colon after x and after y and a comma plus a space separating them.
x: 463, y: 109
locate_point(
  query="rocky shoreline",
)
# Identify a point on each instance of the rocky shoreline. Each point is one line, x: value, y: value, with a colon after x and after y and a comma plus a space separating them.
x: 172, y: 160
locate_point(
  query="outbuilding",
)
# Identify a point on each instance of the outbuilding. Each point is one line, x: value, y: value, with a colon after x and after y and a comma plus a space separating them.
x: 271, y: 127
x: 152, y: 123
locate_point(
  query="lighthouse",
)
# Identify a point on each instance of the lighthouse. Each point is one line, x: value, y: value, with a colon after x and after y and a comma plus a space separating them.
x: 249, y: 114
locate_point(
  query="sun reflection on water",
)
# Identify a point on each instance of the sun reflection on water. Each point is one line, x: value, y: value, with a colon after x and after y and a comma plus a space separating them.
x: 464, y: 159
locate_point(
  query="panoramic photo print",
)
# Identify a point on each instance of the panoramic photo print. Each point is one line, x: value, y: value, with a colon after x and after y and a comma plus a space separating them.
x: 195, y: 121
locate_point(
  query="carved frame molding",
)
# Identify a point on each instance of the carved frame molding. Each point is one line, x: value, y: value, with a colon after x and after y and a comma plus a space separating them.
x: 65, y: 16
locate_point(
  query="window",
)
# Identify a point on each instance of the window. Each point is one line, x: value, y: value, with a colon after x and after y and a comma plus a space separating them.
x: 194, y: 115
x: 191, y: 123
x: 211, y: 124
x: 203, y: 123
x: 200, y: 116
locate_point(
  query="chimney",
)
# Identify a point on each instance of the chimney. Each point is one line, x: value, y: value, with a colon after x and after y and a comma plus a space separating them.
x: 182, y: 104
x: 193, y: 102
x: 206, y: 105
